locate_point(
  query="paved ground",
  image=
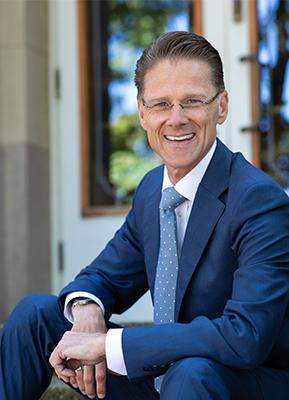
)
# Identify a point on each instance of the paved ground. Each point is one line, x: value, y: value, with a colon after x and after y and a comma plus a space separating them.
x: 60, y: 394
x: 60, y: 391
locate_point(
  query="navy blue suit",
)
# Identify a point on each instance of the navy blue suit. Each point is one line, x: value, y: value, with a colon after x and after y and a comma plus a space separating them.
x: 232, y: 290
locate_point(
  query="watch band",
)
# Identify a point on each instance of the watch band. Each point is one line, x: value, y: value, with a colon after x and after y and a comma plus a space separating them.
x: 81, y: 301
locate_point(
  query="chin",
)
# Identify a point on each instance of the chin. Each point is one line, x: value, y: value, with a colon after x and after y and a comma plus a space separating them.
x: 179, y: 170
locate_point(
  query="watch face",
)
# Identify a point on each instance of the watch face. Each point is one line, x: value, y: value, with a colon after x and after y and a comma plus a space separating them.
x: 81, y: 302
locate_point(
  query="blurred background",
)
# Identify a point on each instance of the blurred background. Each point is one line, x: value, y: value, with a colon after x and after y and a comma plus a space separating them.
x: 71, y: 148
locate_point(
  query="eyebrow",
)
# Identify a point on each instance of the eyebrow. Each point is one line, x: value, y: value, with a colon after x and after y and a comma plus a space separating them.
x: 187, y: 96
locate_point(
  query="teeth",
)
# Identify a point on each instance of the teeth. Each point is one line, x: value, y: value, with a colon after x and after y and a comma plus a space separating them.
x: 179, y: 138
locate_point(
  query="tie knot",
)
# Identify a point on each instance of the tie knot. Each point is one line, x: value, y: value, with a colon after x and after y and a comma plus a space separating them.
x: 171, y: 199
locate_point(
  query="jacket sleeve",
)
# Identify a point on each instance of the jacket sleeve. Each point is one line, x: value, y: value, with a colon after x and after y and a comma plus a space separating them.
x: 245, y: 333
x: 117, y: 276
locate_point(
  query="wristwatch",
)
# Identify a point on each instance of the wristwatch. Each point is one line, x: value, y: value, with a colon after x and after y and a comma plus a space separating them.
x: 81, y: 301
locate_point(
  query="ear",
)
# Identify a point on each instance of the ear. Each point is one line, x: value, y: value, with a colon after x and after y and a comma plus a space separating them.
x: 223, y: 107
x: 141, y: 113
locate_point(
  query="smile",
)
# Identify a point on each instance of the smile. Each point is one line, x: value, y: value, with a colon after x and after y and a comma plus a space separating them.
x: 180, y: 138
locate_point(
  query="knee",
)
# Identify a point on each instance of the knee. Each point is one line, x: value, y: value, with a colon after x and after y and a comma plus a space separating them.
x: 193, y: 367
x: 33, y: 307
x: 197, y: 374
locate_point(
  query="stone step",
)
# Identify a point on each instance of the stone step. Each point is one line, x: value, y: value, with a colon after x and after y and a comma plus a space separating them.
x: 59, y: 391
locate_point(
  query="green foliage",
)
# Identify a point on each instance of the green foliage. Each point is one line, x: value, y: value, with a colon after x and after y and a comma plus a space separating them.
x: 126, y: 171
x: 139, y: 22
x: 125, y: 131
x: 133, y: 25
x: 127, y: 166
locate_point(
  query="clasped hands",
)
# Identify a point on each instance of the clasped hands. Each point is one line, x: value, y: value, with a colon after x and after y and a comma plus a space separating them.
x: 83, y: 346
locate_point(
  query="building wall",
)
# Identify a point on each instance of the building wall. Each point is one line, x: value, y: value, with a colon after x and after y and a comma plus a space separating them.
x: 232, y: 39
x: 82, y: 238
x: 24, y: 178
x: 27, y: 259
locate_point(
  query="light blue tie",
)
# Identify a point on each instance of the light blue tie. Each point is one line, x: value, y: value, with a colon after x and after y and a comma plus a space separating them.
x: 168, y: 262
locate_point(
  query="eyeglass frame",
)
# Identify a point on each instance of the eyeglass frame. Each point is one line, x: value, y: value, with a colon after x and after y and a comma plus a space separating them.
x: 183, y: 106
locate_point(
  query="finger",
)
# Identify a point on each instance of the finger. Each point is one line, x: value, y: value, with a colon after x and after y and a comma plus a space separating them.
x: 63, y: 378
x: 79, y: 380
x: 73, y: 382
x: 89, y: 381
x: 56, y: 358
x: 63, y: 372
x: 100, y: 377
x: 58, y: 362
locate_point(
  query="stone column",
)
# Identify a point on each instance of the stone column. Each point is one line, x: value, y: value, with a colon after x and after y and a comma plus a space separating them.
x: 24, y: 163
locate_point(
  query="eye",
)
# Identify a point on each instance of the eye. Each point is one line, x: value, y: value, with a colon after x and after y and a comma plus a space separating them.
x: 162, y: 105
x: 191, y: 102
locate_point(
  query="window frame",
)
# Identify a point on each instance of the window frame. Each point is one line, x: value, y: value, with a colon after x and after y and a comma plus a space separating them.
x: 87, y: 209
x: 254, y: 75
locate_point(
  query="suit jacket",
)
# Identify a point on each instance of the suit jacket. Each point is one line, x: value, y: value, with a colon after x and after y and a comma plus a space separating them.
x: 233, y: 283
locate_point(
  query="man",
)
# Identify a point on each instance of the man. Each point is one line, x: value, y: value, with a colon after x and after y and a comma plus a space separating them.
x: 207, y: 235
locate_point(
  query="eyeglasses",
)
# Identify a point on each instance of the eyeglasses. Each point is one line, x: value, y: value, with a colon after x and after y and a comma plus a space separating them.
x: 190, y: 104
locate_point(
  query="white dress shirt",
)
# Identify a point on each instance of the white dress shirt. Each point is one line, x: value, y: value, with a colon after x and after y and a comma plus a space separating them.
x: 187, y: 187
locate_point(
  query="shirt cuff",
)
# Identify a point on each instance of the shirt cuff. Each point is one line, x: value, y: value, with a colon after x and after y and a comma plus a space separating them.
x: 113, y: 350
x: 67, y: 305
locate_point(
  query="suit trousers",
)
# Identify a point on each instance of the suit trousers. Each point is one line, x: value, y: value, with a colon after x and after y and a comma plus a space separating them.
x: 37, y: 324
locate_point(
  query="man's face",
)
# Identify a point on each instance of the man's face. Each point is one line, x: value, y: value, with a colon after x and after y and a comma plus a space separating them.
x: 181, y: 136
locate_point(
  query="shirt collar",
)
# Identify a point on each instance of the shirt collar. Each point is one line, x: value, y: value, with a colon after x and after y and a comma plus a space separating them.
x: 188, y: 185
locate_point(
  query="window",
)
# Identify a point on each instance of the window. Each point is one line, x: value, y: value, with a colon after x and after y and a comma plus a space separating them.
x: 273, y: 56
x: 115, y: 153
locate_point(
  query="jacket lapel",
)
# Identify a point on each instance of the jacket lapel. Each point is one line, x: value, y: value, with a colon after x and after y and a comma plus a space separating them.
x: 151, y: 229
x: 206, y: 211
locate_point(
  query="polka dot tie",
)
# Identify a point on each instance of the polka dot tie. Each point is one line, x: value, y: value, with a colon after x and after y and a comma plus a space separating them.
x: 168, y: 262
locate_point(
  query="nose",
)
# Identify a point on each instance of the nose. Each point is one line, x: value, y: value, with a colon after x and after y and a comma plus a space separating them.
x: 177, y: 116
